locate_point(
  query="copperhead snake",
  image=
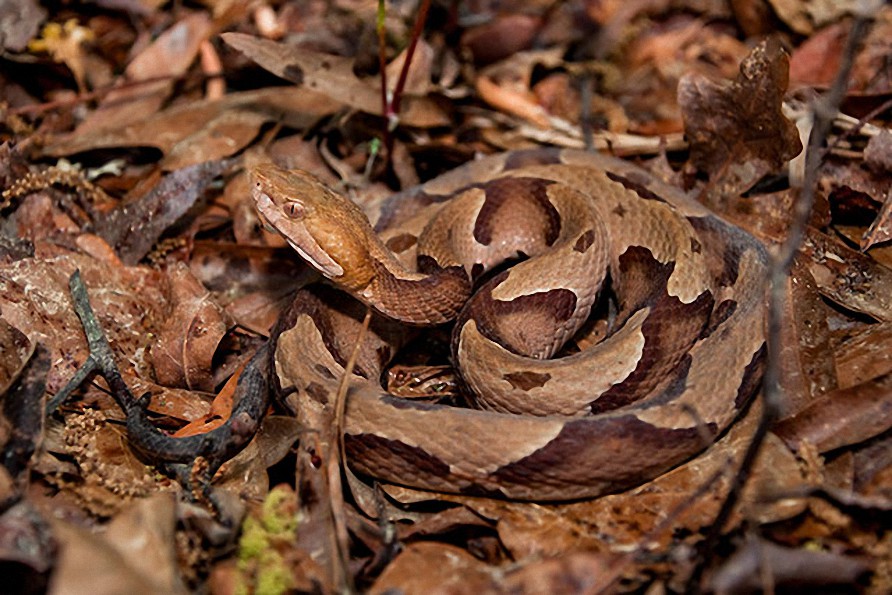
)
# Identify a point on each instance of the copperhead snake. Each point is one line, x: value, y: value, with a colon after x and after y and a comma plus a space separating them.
x: 682, y: 354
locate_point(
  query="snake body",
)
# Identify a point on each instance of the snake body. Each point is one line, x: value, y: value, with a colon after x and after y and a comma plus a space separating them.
x: 680, y: 354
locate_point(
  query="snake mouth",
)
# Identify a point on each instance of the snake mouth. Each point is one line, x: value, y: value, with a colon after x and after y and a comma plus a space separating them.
x: 298, y: 237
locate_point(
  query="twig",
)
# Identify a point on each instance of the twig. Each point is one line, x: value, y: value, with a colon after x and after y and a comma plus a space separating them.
x: 337, y: 459
x: 391, y: 102
x: 101, y: 92
x: 824, y: 110
x: 382, y: 63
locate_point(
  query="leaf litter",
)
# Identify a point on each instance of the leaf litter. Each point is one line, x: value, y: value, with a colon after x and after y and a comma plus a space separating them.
x: 161, y: 107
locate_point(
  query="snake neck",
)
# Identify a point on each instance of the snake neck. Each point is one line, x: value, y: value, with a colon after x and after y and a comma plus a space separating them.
x: 426, y: 299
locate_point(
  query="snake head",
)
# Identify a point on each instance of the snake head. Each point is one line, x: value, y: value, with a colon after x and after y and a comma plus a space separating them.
x: 326, y: 229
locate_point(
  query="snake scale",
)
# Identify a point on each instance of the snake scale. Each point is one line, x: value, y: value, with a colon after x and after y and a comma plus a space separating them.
x: 679, y: 354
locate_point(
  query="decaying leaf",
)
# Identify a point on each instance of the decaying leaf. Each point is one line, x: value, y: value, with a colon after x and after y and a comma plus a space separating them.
x: 148, y: 80
x: 865, y: 355
x: 848, y: 277
x: 737, y: 131
x: 435, y: 568
x: 181, y: 354
x: 204, y: 130
x: 135, y: 227
x: 807, y: 363
x: 135, y: 556
x: 332, y: 76
x: 843, y: 417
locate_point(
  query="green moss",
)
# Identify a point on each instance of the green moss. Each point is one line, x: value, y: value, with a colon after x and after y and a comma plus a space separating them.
x: 278, y: 516
x: 273, y: 577
x: 253, y: 542
x: 261, y: 568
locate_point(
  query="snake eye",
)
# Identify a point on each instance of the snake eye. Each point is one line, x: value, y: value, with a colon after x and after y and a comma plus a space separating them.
x: 294, y: 210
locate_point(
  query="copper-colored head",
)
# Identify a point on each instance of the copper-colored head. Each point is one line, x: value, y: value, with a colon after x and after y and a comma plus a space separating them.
x: 330, y: 232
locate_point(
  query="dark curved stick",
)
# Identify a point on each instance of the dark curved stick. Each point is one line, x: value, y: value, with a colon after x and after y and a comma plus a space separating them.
x: 178, y: 454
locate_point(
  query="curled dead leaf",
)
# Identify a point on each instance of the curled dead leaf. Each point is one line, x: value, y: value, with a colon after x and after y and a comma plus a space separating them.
x: 737, y: 130
x: 184, y: 347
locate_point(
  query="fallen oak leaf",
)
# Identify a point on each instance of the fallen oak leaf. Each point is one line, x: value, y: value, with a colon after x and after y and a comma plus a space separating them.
x: 841, y: 417
x: 737, y: 131
x: 183, y: 351
x: 204, y: 130
x: 333, y: 76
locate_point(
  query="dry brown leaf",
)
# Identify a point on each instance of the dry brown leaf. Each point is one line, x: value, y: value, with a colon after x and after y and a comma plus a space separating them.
x: 136, y: 556
x: 849, y: 277
x: 501, y: 37
x: 842, y: 417
x: 577, y: 572
x: 203, y: 131
x: 435, y: 568
x: 738, y: 132
x: 332, y: 76
x: 865, y: 355
x: 806, y: 360
x: 169, y: 56
x: 418, y: 79
x: 130, y: 303
x: 176, y: 404
x: 816, y: 61
x: 34, y: 298
x: 878, y: 156
x: 881, y: 229
x: 184, y: 346
x: 506, y: 85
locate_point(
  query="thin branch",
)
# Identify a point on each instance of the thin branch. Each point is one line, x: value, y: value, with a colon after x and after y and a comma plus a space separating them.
x: 393, y: 101
x: 337, y: 458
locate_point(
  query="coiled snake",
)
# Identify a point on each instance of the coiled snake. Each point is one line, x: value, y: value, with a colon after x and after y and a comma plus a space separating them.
x: 682, y: 355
